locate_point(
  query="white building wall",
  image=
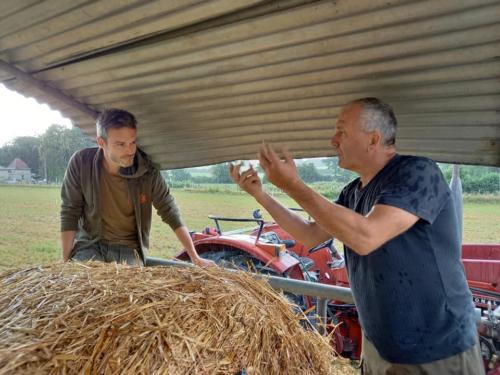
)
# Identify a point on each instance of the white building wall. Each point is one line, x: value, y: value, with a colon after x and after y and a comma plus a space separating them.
x: 4, y: 175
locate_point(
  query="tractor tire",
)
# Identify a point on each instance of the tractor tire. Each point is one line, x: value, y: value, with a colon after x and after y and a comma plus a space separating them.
x: 236, y: 259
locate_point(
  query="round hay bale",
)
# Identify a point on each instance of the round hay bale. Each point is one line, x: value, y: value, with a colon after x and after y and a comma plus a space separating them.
x: 98, y: 318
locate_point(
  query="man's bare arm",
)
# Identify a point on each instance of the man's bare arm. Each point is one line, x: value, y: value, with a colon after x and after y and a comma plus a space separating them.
x: 67, y: 240
x: 184, y: 238
x: 304, y: 231
x: 363, y: 234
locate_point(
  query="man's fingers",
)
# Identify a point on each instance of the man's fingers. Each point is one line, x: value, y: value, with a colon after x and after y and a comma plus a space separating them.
x: 263, y: 147
x: 248, y: 173
x: 287, y: 155
x: 234, y: 171
x: 241, y: 178
x: 271, y: 154
x: 267, y: 156
x: 263, y: 153
x: 250, y: 180
x: 264, y: 164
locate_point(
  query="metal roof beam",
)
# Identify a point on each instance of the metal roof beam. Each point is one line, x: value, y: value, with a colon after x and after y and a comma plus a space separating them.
x: 49, y: 90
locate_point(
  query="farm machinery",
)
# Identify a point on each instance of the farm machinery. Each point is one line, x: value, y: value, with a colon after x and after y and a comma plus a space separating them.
x: 266, y: 248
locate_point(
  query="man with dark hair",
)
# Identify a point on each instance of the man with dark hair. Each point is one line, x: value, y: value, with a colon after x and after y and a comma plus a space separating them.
x: 402, y: 246
x: 107, y: 198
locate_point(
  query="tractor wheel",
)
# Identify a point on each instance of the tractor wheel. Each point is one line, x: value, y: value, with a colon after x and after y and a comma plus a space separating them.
x: 237, y: 259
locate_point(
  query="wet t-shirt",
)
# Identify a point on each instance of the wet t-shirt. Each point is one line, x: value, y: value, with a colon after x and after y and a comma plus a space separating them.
x: 412, y: 295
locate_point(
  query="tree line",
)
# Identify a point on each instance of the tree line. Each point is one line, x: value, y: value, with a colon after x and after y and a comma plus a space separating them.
x: 219, y: 174
x: 475, y: 179
x: 48, y: 154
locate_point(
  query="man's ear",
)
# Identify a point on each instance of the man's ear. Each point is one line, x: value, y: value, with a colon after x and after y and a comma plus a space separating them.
x: 375, y: 138
x: 100, y: 142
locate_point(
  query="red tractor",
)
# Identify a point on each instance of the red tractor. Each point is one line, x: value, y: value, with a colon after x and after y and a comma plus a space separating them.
x: 268, y: 249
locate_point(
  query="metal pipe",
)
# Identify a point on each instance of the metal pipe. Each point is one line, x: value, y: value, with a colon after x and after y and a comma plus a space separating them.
x: 456, y: 192
x: 322, y: 291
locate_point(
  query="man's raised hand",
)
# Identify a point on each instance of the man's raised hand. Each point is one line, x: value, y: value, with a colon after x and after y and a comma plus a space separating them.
x: 248, y: 180
x: 281, y: 172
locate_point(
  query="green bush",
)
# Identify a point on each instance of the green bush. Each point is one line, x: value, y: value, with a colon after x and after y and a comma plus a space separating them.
x: 486, y: 184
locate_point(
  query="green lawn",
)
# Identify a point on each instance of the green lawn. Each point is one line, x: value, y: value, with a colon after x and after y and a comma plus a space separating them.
x: 29, y: 222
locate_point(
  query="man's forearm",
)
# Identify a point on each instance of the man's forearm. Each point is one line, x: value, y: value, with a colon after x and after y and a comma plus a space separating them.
x: 184, y: 238
x: 342, y: 223
x: 302, y: 230
x: 67, y: 240
x: 363, y: 234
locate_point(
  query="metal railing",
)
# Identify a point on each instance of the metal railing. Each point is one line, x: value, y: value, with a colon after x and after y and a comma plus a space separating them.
x: 322, y: 292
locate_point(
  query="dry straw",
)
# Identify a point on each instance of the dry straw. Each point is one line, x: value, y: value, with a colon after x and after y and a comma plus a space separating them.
x: 97, y: 318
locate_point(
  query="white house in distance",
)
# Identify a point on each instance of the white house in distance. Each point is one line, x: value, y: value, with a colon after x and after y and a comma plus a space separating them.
x: 17, y: 171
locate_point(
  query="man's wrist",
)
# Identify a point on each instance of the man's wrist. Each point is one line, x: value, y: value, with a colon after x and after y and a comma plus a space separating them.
x: 295, y: 187
x: 261, y: 197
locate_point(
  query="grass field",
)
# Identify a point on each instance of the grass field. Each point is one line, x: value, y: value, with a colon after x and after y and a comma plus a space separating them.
x: 29, y: 222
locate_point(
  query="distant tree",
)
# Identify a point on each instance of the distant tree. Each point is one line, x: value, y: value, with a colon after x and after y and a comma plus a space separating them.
x: 338, y: 174
x: 309, y: 173
x: 180, y: 175
x: 24, y: 148
x: 475, y: 179
x: 57, y: 145
x: 220, y: 173
x: 203, y: 180
x: 488, y: 183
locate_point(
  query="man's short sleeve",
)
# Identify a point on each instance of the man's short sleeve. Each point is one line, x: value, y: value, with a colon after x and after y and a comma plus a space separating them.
x: 416, y: 185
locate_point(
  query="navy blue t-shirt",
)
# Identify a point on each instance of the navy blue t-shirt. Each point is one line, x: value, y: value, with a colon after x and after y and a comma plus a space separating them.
x: 412, y: 296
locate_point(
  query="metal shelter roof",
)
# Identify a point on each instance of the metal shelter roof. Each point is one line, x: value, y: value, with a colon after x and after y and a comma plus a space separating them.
x: 209, y: 80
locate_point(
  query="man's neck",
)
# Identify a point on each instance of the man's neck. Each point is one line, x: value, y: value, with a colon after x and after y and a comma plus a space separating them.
x: 110, y: 167
x: 375, y: 165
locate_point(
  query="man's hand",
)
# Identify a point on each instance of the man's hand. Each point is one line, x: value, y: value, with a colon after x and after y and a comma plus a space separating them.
x: 248, y: 180
x: 200, y: 262
x: 184, y: 237
x: 281, y: 172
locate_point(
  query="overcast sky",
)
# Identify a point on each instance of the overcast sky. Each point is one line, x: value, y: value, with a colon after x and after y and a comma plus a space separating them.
x: 23, y: 116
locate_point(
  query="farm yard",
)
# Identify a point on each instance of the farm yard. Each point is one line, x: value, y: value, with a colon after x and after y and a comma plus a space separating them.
x: 29, y: 221
x: 210, y: 82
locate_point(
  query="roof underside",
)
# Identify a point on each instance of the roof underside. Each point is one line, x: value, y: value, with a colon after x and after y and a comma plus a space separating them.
x: 209, y: 80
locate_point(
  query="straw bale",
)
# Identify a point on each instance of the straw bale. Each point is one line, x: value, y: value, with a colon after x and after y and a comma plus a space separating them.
x: 97, y: 318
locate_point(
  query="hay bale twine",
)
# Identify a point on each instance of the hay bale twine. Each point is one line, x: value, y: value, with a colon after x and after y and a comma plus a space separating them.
x: 98, y: 318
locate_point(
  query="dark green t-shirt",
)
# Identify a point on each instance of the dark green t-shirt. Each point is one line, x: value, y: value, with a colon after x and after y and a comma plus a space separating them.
x: 412, y: 295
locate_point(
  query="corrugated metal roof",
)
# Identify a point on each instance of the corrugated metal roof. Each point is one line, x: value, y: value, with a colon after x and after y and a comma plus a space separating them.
x: 209, y: 80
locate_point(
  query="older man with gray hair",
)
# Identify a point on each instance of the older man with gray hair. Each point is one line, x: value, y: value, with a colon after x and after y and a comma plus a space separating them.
x: 402, y: 245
